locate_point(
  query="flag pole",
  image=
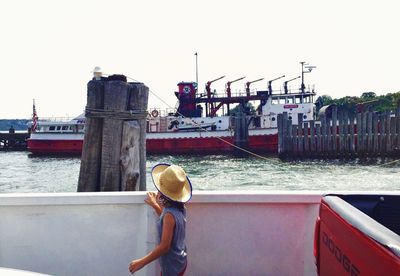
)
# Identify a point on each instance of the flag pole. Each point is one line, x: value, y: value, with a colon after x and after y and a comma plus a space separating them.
x: 197, y: 71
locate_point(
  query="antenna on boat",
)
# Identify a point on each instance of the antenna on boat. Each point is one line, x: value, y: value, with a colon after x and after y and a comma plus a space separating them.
x: 309, y: 69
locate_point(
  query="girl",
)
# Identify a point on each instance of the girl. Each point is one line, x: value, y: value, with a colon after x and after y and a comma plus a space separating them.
x: 174, y: 190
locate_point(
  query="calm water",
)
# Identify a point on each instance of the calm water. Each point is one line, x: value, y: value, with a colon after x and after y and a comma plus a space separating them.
x: 19, y: 172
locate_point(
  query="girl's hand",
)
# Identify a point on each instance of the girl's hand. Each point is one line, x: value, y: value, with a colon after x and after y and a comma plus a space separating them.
x: 151, y: 199
x: 135, y: 265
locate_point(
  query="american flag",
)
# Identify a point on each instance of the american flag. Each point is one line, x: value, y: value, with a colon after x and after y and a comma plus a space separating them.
x: 34, y: 118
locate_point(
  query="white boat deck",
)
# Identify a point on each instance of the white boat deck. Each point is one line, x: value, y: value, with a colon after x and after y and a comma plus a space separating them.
x: 228, y: 233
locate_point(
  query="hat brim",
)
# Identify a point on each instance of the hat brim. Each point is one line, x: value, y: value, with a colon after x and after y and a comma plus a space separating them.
x: 186, y: 194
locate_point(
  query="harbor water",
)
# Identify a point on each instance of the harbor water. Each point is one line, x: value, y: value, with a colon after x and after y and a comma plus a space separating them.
x: 21, y: 172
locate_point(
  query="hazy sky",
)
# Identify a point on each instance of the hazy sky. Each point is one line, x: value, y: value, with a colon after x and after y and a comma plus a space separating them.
x: 48, y: 48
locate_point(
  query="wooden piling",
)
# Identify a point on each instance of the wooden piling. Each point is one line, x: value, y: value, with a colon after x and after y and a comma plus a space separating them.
x: 334, y: 130
x: 382, y: 130
x: 352, y: 135
x: 295, y: 140
x: 306, y: 140
x: 387, y: 134
x: 312, y: 138
x: 114, y: 151
x: 318, y: 139
x: 369, y: 132
x: 89, y: 174
x: 346, y: 140
x: 375, y: 133
x: 139, y: 95
x: 280, y: 135
x: 323, y: 135
x: 241, y: 132
x: 340, y: 134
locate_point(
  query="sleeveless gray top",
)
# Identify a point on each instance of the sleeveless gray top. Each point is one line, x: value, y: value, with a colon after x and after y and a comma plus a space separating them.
x: 174, y: 261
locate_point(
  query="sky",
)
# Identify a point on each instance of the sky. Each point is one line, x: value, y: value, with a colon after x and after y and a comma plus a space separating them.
x: 49, y: 48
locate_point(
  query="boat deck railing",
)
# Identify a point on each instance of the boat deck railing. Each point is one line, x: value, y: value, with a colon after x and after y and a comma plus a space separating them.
x: 228, y: 233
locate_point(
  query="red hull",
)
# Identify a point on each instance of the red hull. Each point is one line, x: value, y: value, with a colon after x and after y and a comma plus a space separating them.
x: 55, y: 146
x: 206, y: 145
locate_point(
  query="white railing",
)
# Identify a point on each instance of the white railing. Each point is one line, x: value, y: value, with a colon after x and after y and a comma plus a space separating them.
x: 228, y: 233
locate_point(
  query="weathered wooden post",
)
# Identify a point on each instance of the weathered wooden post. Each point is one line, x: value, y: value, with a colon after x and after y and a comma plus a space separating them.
x: 375, y: 134
x: 306, y: 140
x: 312, y: 138
x: 346, y: 146
x: 369, y: 133
x: 340, y: 134
x: 398, y: 128
x: 280, y: 135
x: 288, y: 140
x: 334, y: 130
x: 284, y: 131
x: 387, y: 128
x: 323, y: 135
x: 113, y: 157
x: 382, y: 134
x: 352, y: 136
x: 139, y: 95
x: 300, y: 134
x: 89, y: 175
x: 319, y: 140
x: 241, y: 133
x: 295, y: 140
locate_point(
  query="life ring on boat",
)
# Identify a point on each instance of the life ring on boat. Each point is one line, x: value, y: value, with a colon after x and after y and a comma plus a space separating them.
x: 154, y: 113
x: 173, y: 124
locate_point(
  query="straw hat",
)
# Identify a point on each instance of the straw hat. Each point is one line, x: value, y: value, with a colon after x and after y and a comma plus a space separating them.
x: 171, y: 181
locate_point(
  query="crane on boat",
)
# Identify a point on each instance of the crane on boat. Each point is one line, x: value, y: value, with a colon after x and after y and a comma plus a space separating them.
x: 208, y: 86
x: 248, y: 86
x: 228, y: 89
x: 285, y: 88
x: 208, y: 90
x: 228, y: 86
x: 270, y: 84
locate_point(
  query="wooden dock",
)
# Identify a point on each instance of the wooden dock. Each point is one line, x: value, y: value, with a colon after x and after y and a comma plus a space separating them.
x: 13, y: 141
x: 367, y: 134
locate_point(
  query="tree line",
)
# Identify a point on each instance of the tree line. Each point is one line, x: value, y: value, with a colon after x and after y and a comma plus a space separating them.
x: 367, y: 101
x: 16, y: 124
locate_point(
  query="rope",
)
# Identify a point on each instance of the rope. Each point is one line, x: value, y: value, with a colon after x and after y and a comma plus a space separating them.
x: 115, y: 114
x: 219, y: 138
x: 391, y: 162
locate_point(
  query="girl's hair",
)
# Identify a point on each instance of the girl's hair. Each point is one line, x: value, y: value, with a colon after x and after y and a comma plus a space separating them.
x: 170, y: 203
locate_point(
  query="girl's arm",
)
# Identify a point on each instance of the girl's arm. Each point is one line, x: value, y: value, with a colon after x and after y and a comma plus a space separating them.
x: 152, y: 201
x: 161, y: 249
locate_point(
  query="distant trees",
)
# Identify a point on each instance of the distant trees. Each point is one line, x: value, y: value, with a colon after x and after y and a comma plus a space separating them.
x: 249, y: 109
x: 17, y: 124
x: 368, y: 100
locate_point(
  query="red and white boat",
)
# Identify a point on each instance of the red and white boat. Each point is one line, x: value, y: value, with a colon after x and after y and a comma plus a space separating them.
x: 202, y: 123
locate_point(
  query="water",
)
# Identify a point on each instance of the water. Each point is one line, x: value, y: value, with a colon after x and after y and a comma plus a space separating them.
x: 20, y: 172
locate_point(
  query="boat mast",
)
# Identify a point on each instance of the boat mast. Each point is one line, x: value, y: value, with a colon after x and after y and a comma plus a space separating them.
x: 309, y: 69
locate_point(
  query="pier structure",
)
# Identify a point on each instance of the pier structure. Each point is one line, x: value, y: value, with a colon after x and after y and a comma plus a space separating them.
x: 13, y: 140
x: 341, y: 135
